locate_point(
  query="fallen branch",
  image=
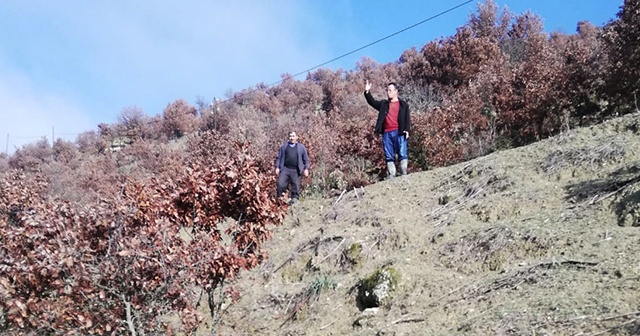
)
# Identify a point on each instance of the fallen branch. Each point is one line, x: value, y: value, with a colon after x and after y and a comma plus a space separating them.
x: 601, y: 319
x: 286, y: 309
x: 565, y: 262
x: 315, y: 243
x: 373, y: 245
x: 520, y: 276
x: 598, y: 198
x: 290, y: 259
x: 338, y: 200
x: 597, y: 318
x: 327, y: 325
x: 409, y: 320
x: 466, y: 286
x: 328, y: 255
x: 614, y: 328
x: 620, y: 315
x: 468, y: 320
x: 296, y: 309
x: 470, y: 193
x: 460, y: 171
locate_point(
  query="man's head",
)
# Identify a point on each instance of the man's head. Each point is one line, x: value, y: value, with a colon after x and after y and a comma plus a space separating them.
x: 392, y: 91
x: 293, y: 137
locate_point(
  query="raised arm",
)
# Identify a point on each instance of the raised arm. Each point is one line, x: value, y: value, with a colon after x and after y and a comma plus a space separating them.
x: 370, y: 100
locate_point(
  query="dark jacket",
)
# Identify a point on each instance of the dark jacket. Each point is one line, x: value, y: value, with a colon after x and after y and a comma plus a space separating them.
x: 303, y: 157
x: 404, y: 120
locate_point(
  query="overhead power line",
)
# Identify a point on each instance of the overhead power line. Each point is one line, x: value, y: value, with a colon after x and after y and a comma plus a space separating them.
x: 382, y: 39
x: 363, y: 47
x: 317, y: 66
x: 367, y: 45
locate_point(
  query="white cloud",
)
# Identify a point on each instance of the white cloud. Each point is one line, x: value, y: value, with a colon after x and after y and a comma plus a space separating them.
x: 28, y: 113
x: 95, y: 58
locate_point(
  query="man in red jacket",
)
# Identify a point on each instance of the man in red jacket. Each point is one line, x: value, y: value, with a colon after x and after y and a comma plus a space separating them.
x: 393, y: 124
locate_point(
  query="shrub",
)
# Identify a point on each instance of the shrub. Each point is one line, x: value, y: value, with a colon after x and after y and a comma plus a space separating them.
x: 31, y: 156
x: 178, y: 119
x: 118, y: 264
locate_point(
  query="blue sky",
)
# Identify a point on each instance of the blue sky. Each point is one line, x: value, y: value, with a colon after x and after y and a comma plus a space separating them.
x: 66, y: 66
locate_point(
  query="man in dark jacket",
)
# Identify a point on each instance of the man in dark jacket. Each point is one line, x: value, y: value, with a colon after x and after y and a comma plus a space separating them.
x: 291, y: 163
x: 393, y: 124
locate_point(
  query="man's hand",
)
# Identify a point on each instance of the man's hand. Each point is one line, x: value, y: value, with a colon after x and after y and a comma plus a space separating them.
x: 306, y: 172
x: 406, y: 134
x: 367, y: 86
x: 277, y: 171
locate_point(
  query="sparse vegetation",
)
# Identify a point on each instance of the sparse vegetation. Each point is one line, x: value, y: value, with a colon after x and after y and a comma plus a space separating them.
x: 376, y: 289
x: 518, y: 241
x: 493, y: 248
x: 303, y: 300
x: 530, y: 253
x: 351, y: 257
x: 295, y: 270
x: 587, y: 158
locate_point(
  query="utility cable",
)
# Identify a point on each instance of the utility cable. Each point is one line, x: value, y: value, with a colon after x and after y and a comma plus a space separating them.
x: 381, y: 39
x: 324, y: 63
x: 363, y: 47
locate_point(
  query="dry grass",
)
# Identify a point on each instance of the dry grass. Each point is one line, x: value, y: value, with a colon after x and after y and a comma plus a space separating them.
x: 591, y: 158
x: 493, y: 248
x: 507, y: 244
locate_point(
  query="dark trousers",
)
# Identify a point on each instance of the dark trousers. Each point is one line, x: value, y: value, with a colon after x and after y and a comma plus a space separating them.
x: 288, y: 176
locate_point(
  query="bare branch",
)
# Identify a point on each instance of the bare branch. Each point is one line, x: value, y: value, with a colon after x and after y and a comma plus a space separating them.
x: 127, y: 308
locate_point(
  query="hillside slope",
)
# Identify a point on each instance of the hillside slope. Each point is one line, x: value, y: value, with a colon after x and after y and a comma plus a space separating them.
x: 538, y: 240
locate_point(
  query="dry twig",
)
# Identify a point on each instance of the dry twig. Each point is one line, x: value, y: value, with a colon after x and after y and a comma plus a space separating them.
x: 465, y: 286
x: 327, y: 325
x: 409, y: 320
x: 313, y: 243
x: 328, y: 255
x: 614, y: 328
x: 515, y: 279
x: 127, y: 308
x: 339, y: 198
x: 621, y: 315
x: 470, y: 193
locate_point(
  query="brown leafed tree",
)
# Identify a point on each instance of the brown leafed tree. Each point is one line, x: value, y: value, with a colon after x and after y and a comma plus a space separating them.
x: 90, y: 142
x: 584, y: 66
x: 489, y: 22
x: 132, y: 123
x: 64, y: 151
x: 178, y: 119
x: 622, y: 37
x: 120, y: 264
x: 32, y: 156
x: 533, y: 110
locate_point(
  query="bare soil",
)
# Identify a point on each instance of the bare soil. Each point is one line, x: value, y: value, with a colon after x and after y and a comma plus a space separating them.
x: 537, y: 240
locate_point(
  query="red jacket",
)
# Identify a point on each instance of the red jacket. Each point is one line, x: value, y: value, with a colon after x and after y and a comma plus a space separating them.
x: 404, y: 119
